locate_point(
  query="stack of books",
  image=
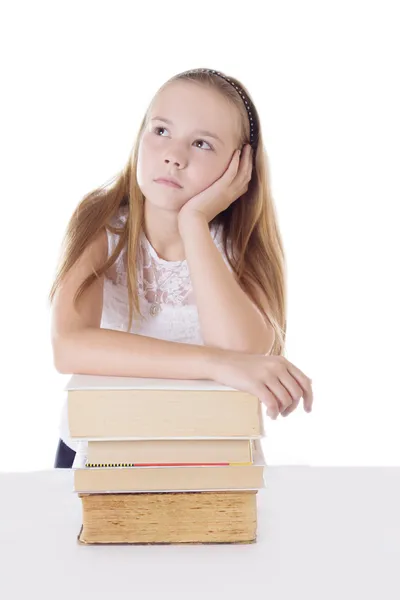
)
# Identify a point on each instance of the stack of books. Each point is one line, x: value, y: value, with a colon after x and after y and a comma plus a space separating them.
x: 165, y: 460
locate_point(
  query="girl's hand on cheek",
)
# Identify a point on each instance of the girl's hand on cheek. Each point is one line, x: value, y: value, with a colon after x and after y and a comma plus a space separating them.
x: 229, y: 187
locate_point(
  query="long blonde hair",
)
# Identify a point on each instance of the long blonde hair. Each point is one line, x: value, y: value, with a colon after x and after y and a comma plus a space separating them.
x: 257, y: 250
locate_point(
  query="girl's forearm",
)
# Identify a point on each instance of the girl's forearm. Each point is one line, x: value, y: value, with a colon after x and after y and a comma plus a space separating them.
x: 95, y: 351
x: 228, y: 318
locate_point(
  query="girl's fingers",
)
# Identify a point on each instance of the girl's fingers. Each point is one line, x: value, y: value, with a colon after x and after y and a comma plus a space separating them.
x: 238, y: 173
x: 248, y: 164
x: 281, y: 393
x: 304, y: 382
x: 243, y: 168
x: 232, y: 169
x: 290, y: 409
x: 292, y: 390
x: 269, y: 399
x: 289, y: 387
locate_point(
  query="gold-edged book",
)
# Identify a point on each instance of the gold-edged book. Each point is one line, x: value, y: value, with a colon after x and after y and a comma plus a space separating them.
x: 169, y: 518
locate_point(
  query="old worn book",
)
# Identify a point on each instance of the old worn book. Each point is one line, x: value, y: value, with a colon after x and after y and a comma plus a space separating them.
x: 115, y: 408
x: 161, y: 478
x: 169, y: 518
x: 168, y: 452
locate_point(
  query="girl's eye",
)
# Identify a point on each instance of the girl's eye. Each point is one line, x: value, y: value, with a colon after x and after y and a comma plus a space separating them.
x: 205, y: 143
x: 157, y: 130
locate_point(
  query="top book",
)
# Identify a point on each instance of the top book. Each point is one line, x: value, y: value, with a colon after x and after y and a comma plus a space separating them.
x: 105, y: 407
x: 107, y: 382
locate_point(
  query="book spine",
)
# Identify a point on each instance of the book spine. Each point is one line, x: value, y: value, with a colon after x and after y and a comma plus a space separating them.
x: 223, y: 464
x: 165, y: 439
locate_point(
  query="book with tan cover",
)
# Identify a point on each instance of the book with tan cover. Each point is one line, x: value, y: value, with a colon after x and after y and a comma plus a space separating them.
x: 170, y: 451
x: 104, y: 407
x: 169, y: 478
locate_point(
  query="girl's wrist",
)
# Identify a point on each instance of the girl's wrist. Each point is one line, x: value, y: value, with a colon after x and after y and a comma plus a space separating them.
x: 214, y: 358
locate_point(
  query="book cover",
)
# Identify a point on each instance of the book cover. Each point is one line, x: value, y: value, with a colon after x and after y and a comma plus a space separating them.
x: 168, y: 478
x: 163, y: 414
x: 170, y: 451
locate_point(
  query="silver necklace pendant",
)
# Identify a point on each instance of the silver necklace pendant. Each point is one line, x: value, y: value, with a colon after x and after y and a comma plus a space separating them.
x: 155, y: 309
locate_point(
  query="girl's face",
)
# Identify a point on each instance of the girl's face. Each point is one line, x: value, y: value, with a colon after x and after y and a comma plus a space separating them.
x: 191, y: 134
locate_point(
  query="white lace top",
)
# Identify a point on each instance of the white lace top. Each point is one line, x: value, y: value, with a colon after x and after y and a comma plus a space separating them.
x: 166, y: 299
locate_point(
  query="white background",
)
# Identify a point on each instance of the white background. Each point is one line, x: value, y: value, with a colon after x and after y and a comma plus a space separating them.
x: 76, y: 80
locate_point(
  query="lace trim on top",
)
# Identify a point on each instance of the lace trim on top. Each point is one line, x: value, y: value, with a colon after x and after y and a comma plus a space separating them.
x: 159, y: 281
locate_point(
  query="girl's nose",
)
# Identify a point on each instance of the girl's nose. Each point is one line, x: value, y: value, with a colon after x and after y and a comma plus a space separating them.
x: 175, y: 157
x: 173, y: 161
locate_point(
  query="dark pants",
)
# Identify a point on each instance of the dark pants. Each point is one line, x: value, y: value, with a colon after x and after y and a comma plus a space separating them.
x: 64, y: 456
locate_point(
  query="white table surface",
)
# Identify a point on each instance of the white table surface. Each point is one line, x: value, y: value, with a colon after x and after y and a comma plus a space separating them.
x: 323, y: 533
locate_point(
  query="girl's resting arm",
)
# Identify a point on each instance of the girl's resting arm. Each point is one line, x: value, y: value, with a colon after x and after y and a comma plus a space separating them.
x: 81, y: 346
x: 228, y: 317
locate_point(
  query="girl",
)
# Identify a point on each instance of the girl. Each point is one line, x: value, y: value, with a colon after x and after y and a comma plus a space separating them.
x: 183, y: 246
